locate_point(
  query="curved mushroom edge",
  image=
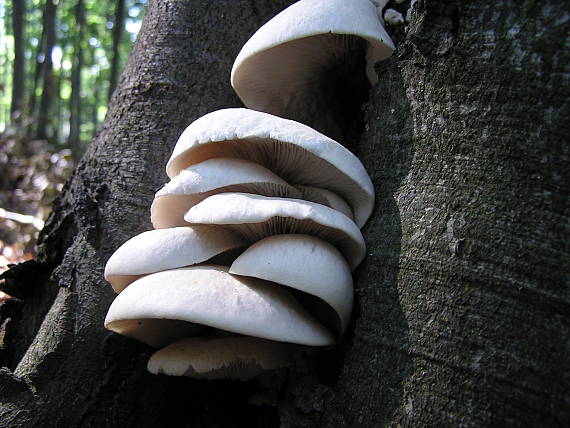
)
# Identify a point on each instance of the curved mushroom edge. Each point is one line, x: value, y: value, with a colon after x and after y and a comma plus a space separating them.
x: 293, y: 151
x: 309, y: 265
x: 157, y: 250
x: 208, y: 295
x: 234, y: 357
x: 314, y: 63
x: 255, y: 217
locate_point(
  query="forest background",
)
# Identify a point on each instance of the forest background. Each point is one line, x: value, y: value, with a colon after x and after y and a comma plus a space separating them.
x: 59, y: 63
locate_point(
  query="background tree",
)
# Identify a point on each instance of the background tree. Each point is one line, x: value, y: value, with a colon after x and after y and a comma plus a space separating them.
x: 37, y: 84
x: 462, y: 305
x: 46, y: 78
x: 75, y: 100
x: 117, y: 34
x: 51, y: 38
x: 19, y: 10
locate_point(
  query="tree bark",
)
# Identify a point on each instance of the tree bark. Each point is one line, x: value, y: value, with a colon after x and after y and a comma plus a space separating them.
x: 462, y: 307
x: 18, y: 23
x: 117, y: 34
x: 46, y: 73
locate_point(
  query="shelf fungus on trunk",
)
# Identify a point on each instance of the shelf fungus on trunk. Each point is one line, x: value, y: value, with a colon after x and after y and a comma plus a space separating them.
x: 240, y: 358
x: 259, y: 228
x: 313, y: 63
x: 157, y: 250
x: 307, y: 264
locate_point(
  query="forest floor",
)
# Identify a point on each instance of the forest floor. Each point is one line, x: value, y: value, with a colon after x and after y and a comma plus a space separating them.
x: 31, y: 175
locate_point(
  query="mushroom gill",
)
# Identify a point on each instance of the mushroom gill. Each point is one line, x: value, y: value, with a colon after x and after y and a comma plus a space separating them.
x: 221, y: 175
x: 313, y: 63
x: 255, y: 217
x: 294, y: 152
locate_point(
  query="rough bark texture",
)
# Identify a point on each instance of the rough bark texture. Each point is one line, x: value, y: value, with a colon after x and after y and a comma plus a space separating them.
x: 462, y: 309
x: 464, y: 304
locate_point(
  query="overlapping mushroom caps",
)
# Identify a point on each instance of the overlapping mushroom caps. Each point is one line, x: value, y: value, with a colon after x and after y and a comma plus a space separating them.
x: 245, y: 190
x: 313, y: 62
x: 294, y: 152
x: 258, y: 230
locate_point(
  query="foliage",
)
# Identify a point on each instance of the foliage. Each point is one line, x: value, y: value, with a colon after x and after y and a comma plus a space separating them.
x: 97, y: 51
x: 32, y: 178
x: 34, y: 170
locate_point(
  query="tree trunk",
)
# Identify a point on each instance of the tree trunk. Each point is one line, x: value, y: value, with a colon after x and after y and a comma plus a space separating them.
x: 38, y: 67
x: 117, y: 33
x: 18, y: 14
x: 48, y: 90
x: 74, y: 141
x: 57, y: 109
x: 95, y: 106
x: 462, y: 308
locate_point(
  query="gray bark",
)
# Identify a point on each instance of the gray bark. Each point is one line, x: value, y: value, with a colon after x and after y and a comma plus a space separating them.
x: 462, y: 307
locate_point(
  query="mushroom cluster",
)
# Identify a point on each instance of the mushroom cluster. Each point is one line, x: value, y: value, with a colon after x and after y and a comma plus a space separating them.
x: 258, y: 231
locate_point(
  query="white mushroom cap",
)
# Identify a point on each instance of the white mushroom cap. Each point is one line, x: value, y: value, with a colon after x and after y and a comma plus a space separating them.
x: 155, y: 332
x: 210, y: 296
x: 305, y: 263
x: 308, y: 193
x: 297, y: 63
x: 293, y: 151
x: 234, y: 357
x: 308, y: 18
x: 158, y: 250
x: 210, y: 177
x: 256, y: 217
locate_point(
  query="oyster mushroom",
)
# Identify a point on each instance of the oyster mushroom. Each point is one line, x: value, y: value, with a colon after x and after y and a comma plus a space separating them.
x: 158, y: 250
x: 255, y: 217
x: 295, y: 152
x: 208, y: 295
x: 240, y: 358
x: 332, y: 199
x: 305, y: 263
x: 313, y: 63
x: 220, y: 175
x: 303, y: 198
